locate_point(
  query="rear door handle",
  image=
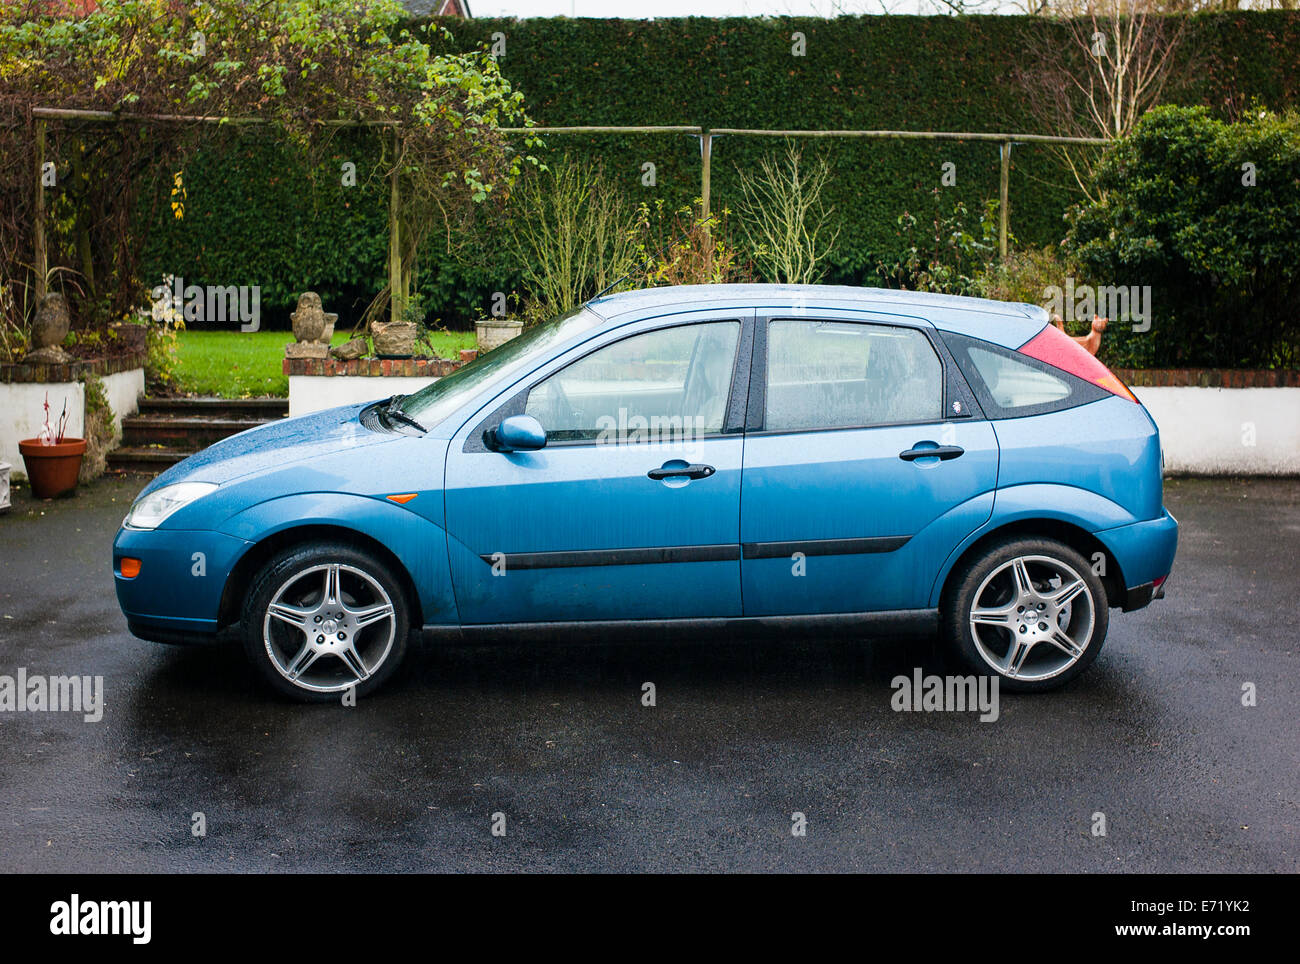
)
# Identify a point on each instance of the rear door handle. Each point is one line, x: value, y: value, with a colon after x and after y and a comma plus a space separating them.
x: 681, y: 470
x: 941, y: 452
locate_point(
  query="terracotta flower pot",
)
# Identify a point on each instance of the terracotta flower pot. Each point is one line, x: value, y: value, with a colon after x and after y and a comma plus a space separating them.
x: 52, y: 469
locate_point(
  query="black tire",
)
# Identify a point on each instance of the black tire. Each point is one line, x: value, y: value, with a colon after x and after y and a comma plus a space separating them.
x: 364, y: 586
x: 994, y: 575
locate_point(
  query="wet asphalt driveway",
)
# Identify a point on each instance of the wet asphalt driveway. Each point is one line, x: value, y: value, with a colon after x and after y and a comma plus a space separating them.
x: 744, y: 734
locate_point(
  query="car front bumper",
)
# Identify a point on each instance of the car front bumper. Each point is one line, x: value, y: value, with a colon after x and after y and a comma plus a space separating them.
x: 176, y: 596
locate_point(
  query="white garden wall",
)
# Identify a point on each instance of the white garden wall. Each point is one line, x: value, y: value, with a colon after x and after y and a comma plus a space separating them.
x: 1226, y: 431
x: 311, y: 393
x: 22, y: 410
x: 124, y: 391
x: 22, y: 414
x: 1204, y: 431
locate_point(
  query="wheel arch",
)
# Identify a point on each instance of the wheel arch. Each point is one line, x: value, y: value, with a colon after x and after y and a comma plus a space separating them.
x: 1076, y: 537
x: 242, y: 573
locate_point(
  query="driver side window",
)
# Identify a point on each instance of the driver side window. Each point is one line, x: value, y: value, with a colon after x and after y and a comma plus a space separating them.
x: 663, y: 385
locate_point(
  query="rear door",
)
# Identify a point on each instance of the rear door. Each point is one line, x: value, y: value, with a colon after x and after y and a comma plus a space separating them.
x: 632, y: 509
x: 843, y: 508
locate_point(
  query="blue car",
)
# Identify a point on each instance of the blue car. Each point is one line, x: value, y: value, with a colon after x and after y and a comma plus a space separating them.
x: 708, y: 460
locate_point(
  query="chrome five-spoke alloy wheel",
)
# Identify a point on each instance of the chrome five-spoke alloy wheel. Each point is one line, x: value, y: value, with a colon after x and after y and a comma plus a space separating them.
x: 329, y: 627
x: 1033, y: 617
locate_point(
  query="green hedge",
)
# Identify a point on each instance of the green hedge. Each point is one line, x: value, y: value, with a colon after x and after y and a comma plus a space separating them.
x: 253, y: 216
x: 1208, y: 214
x: 257, y: 214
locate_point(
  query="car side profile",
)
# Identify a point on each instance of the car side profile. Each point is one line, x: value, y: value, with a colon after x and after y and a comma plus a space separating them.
x: 703, y: 459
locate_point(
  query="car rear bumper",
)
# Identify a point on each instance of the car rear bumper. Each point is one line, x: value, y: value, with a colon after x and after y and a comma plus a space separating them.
x: 1138, y: 597
x: 1145, y: 553
x: 202, y: 631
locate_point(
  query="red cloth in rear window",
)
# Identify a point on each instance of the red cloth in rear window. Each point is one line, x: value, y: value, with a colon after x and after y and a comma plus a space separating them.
x: 1056, y: 348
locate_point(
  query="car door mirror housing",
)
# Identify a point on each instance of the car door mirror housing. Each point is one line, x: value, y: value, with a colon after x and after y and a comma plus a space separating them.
x: 516, y: 433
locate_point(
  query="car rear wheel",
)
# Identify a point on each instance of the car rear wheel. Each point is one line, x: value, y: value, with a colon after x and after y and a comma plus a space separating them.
x: 1029, y: 611
x: 324, y: 618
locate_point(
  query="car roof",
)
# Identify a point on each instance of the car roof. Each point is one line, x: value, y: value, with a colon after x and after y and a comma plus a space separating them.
x: 1006, y: 323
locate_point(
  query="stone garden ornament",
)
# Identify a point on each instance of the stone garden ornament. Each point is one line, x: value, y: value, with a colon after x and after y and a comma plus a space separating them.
x: 313, y: 327
x: 49, y: 328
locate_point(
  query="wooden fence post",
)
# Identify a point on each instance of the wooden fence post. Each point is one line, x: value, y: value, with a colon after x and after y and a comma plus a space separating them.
x: 706, y: 174
x: 1004, y: 199
x: 42, y: 257
x: 395, y: 238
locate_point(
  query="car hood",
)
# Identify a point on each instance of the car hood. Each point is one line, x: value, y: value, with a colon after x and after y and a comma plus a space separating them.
x: 275, y: 445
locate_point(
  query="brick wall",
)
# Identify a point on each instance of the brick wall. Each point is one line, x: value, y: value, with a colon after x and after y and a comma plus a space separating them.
x: 1208, y: 378
x: 21, y: 373
x: 410, y: 367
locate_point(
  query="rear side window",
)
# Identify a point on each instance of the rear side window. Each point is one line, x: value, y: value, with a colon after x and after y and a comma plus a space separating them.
x: 1010, y: 385
x: 825, y: 374
x: 1013, y: 384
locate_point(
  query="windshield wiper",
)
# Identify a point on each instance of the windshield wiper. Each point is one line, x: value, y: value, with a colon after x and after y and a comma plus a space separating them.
x: 391, y: 410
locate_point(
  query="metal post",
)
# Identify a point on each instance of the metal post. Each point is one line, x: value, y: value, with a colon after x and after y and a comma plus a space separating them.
x: 1004, y: 191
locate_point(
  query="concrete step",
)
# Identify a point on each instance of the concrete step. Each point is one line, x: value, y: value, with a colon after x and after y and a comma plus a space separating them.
x: 167, y: 430
x: 189, y: 434
x: 139, y: 458
x: 265, y: 409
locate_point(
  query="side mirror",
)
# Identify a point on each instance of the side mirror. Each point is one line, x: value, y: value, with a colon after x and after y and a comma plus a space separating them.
x: 517, y: 433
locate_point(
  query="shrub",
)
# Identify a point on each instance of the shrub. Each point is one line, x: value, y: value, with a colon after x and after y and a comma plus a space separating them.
x: 1025, y: 275
x: 163, y: 319
x: 685, y: 249
x: 572, y: 236
x: 1207, y: 213
x: 789, y: 227
x: 941, y: 250
x: 100, y: 431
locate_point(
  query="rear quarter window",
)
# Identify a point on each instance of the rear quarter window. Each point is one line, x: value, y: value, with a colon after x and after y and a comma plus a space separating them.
x: 1010, y: 385
x: 1013, y: 384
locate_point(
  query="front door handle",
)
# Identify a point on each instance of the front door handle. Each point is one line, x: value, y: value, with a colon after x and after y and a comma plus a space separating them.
x: 942, y: 452
x: 681, y: 470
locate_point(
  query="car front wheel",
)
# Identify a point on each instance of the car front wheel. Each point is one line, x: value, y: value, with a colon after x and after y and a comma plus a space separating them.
x: 1029, y: 611
x: 324, y: 618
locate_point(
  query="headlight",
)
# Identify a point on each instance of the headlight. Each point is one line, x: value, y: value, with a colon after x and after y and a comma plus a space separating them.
x: 149, y: 512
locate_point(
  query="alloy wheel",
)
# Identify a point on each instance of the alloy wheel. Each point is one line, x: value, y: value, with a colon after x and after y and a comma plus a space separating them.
x: 329, y: 627
x: 1032, y: 618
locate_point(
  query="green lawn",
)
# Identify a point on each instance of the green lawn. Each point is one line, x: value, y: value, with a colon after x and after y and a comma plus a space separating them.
x: 234, y: 364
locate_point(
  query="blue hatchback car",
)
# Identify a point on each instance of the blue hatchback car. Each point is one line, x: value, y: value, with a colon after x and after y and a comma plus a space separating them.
x: 709, y: 459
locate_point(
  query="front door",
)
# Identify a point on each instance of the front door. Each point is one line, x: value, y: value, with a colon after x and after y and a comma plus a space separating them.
x: 632, y: 509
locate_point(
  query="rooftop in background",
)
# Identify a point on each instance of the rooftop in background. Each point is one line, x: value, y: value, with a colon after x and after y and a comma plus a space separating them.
x: 439, y: 8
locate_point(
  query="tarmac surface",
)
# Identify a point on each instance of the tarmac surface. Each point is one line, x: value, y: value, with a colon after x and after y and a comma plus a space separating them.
x: 744, y: 736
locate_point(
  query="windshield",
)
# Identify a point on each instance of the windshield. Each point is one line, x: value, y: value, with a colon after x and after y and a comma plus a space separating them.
x: 431, y: 404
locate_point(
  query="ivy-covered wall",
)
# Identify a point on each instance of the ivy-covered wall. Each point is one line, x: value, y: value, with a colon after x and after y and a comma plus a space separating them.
x: 254, y: 217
